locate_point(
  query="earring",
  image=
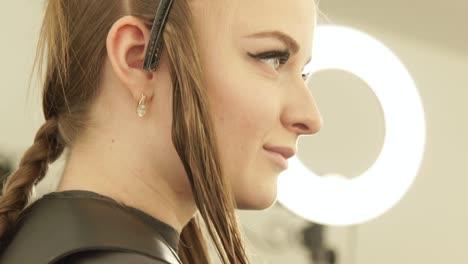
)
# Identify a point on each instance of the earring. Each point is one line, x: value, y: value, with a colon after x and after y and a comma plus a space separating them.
x: 141, y: 109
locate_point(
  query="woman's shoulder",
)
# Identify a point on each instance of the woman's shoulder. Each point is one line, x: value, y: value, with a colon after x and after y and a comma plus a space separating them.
x: 88, y: 230
x: 114, y: 257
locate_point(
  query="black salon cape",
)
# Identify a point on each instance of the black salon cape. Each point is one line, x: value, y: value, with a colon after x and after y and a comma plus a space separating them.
x: 78, y: 226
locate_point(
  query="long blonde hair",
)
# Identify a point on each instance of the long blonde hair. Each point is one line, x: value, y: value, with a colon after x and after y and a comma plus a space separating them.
x: 72, y: 46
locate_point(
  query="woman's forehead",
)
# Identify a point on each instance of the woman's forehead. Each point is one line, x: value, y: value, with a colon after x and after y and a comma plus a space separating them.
x: 276, y: 8
x: 245, y: 17
x: 258, y: 11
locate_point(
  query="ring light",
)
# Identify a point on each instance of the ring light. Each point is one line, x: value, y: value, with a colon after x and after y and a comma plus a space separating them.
x: 336, y: 200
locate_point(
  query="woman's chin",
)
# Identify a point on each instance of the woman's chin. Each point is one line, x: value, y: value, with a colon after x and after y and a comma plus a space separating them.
x: 258, y: 201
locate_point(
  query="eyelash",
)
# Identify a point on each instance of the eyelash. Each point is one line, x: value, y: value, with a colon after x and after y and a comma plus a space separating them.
x: 282, y: 55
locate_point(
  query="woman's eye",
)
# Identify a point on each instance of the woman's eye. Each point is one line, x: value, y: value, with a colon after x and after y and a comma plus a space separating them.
x: 275, y: 62
x: 306, y: 76
x: 274, y: 58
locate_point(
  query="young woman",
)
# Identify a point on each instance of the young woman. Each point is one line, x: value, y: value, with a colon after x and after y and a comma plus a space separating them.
x: 171, y: 114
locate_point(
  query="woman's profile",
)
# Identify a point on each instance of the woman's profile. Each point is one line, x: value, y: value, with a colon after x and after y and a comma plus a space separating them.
x: 170, y: 114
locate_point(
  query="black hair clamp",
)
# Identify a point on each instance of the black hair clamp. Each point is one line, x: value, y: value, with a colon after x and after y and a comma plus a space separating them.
x: 154, y: 50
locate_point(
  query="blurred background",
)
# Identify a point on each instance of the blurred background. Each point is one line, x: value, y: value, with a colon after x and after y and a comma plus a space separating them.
x: 428, y: 225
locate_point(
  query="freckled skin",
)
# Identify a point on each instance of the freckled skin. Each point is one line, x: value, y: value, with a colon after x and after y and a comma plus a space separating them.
x: 253, y: 103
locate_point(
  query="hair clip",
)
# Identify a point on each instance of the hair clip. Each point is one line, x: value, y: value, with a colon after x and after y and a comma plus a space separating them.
x: 154, y: 50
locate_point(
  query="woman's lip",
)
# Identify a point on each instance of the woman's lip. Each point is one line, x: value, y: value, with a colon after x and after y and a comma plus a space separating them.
x: 277, y: 158
x: 287, y: 152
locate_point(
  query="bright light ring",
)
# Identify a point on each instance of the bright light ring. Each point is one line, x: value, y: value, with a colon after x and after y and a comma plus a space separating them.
x: 335, y: 200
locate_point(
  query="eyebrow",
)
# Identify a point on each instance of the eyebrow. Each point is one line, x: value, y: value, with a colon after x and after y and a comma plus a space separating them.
x: 283, y: 37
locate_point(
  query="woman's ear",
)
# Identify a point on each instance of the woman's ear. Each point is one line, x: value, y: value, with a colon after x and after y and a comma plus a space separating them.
x: 126, y: 45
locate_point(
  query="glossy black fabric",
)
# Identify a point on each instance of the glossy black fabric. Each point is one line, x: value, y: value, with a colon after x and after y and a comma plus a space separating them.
x: 100, y: 257
x: 85, y: 227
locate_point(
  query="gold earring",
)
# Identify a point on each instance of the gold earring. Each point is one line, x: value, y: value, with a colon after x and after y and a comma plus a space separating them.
x: 141, y: 109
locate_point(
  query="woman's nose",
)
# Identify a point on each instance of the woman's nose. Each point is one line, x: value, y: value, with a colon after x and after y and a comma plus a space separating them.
x: 301, y: 114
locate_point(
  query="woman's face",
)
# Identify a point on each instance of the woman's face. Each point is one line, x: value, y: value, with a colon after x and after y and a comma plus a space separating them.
x: 257, y: 94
